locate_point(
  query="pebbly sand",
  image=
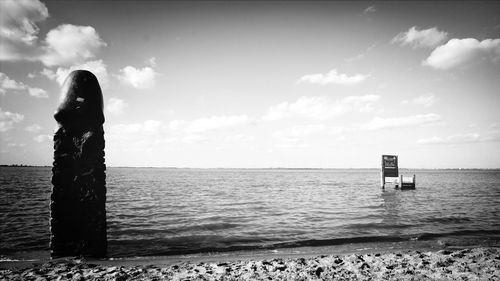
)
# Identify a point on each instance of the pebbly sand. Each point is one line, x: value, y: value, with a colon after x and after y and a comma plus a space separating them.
x: 448, y: 264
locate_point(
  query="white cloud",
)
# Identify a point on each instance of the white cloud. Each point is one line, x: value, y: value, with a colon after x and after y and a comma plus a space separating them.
x: 18, y: 29
x: 143, y: 78
x: 8, y: 119
x: 238, y: 138
x: 42, y: 138
x: 360, y: 103
x: 64, y: 45
x: 378, y: 123
x: 431, y: 37
x: 321, y: 108
x: 333, y: 77
x: 97, y: 67
x: 370, y: 9
x: 9, y: 84
x: 456, y: 139
x: 355, y: 58
x: 49, y: 73
x: 151, y: 61
x: 362, y: 55
x: 11, y: 144
x: 492, y: 136
x: 155, y: 134
x: 70, y: 44
x: 38, y: 93
x: 432, y: 140
x: 291, y: 145
x: 141, y: 137
x: 193, y: 139
x: 115, y: 105
x: 209, y: 123
x: 296, y: 133
x: 35, y: 128
x: 148, y: 127
x: 425, y: 100
x: 461, y: 52
x: 150, y: 134
x: 302, y: 130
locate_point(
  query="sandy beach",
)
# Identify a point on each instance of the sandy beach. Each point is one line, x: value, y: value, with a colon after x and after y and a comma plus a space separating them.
x: 454, y: 264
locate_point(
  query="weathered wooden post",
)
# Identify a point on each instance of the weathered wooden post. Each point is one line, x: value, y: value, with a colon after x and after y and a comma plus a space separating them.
x: 78, y: 211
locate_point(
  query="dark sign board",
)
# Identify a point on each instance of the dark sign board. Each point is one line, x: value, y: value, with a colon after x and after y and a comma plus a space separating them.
x: 390, y: 166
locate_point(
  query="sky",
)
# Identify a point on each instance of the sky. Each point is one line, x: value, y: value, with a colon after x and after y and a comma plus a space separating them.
x: 259, y: 84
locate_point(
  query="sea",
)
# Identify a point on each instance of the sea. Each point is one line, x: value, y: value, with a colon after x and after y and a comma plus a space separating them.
x: 174, y: 211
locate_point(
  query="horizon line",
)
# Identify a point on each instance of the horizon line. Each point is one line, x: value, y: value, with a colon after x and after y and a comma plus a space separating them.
x: 264, y: 168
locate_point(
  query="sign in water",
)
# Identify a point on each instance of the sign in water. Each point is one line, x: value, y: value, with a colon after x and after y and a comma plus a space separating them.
x: 390, y: 166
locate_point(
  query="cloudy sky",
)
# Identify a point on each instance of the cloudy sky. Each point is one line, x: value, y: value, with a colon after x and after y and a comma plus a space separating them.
x: 258, y: 84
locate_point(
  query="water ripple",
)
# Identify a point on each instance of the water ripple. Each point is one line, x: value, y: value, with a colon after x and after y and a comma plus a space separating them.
x: 176, y: 211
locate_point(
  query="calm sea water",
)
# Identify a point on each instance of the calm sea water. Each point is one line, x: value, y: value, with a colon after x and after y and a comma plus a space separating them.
x: 178, y: 211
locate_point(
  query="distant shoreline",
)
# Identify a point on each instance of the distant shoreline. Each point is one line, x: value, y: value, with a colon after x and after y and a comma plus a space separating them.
x: 260, y: 168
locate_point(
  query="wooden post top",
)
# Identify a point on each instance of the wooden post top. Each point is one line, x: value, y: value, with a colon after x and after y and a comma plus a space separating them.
x: 81, y: 103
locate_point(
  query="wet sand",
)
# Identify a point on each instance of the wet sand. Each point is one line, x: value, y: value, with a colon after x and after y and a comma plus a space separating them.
x: 399, y: 264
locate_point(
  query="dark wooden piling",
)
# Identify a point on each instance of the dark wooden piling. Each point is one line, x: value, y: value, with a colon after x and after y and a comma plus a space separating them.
x: 78, y: 210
